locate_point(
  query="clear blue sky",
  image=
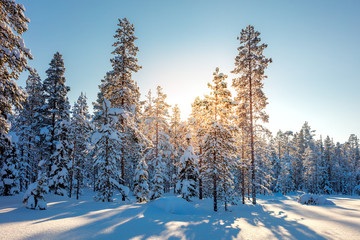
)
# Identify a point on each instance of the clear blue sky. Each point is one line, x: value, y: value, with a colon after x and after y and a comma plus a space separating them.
x: 314, y: 46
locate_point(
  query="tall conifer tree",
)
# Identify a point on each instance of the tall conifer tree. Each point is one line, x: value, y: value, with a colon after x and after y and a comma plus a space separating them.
x: 250, y: 64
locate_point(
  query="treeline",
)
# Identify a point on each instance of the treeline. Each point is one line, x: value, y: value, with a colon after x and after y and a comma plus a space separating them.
x: 137, y: 147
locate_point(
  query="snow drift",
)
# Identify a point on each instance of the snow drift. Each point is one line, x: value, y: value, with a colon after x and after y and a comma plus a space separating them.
x: 310, y: 199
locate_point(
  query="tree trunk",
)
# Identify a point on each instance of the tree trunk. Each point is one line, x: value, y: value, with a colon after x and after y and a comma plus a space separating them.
x: 252, y: 139
x: 215, y: 193
x: 72, y: 172
x: 200, y: 179
x: 215, y: 186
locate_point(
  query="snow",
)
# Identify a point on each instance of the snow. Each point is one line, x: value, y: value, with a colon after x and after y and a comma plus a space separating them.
x: 275, y: 217
x: 311, y: 199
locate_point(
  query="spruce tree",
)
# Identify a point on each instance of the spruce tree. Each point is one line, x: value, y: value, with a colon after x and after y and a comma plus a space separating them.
x: 250, y: 64
x: 198, y: 122
x: 219, y: 145
x: 57, y: 110
x: 106, y: 153
x: 9, y: 173
x: 141, y: 189
x: 160, y: 157
x: 80, y: 133
x: 28, y: 126
x: 188, y: 174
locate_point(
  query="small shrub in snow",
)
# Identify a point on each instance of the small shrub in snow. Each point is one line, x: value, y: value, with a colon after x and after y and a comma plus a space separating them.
x: 357, y: 190
x: 34, y: 197
x: 141, y: 181
x: 310, y: 199
x: 188, y: 174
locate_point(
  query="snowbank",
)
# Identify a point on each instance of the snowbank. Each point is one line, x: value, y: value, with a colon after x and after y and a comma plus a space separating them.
x: 175, y: 205
x: 310, y: 199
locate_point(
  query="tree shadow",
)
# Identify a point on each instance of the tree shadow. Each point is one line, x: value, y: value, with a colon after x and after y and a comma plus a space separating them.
x: 147, y: 222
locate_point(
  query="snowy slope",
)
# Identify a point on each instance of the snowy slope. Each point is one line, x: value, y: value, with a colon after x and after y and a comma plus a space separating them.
x: 276, y: 217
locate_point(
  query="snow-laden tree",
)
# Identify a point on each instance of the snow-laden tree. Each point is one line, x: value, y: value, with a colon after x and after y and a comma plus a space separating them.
x: 59, y: 174
x: 219, y: 144
x: 13, y: 59
x: 158, y: 179
x: 120, y: 89
x: 80, y: 133
x: 57, y: 110
x: 141, y: 189
x: 250, y: 65
x: 351, y: 151
x: 161, y: 157
x: 107, y: 140
x: 188, y: 172
x: 34, y: 197
x: 283, y: 170
x: 146, y: 118
x: 198, y: 123
x: 177, y: 133
x: 9, y: 173
x: 27, y: 127
x: 329, y: 163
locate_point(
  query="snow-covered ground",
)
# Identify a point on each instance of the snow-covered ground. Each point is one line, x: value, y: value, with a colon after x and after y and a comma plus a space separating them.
x: 275, y: 217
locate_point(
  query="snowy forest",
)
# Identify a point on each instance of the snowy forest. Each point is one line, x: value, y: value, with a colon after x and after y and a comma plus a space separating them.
x: 141, y: 146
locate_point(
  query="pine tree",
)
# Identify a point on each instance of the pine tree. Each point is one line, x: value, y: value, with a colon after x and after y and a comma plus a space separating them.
x: 28, y: 126
x: 157, y: 181
x: 283, y: 146
x: 141, y: 189
x: 81, y: 129
x: 13, y: 59
x: 57, y: 110
x: 250, y: 64
x: 199, y: 123
x: 303, y: 140
x: 328, y: 165
x: 119, y: 87
x: 59, y: 175
x: 175, y: 140
x: 219, y: 147
x: 160, y: 157
x: 10, y: 171
x: 188, y: 174
x: 107, y: 140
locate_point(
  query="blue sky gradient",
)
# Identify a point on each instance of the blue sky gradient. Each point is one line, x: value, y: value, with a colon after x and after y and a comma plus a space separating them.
x: 314, y: 46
